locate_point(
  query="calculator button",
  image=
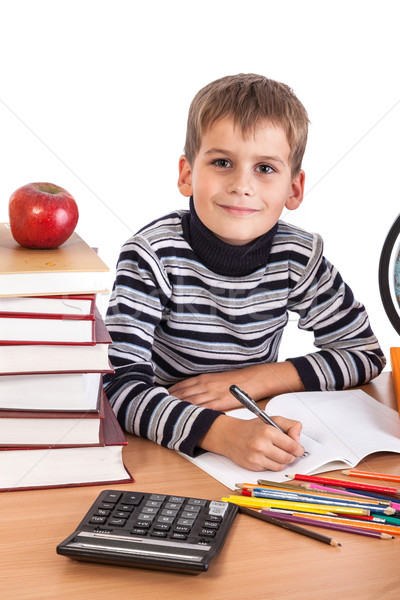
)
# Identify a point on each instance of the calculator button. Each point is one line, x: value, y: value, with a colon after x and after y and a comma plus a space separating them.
x: 187, y: 522
x: 165, y: 519
x: 148, y: 510
x: 139, y: 531
x: 181, y: 529
x: 177, y: 499
x: 103, y: 512
x: 142, y: 525
x: 162, y: 526
x: 121, y: 514
x: 107, y: 505
x: 145, y: 517
x: 178, y: 536
x: 157, y: 497
x: 154, y: 503
x: 197, y: 501
x: 172, y: 505
x: 218, y: 508
x: 117, y: 522
x: 97, y: 519
x: 157, y: 533
x: 192, y: 508
x: 169, y: 513
x: 188, y: 515
x: 207, y: 532
x: 127, y: 507
x: 132, y: 498
x: 112, y: 497
x: 211, y: 525
x: 214, y: 518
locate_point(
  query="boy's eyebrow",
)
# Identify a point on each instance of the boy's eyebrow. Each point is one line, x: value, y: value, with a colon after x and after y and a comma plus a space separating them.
x: 276, y: 159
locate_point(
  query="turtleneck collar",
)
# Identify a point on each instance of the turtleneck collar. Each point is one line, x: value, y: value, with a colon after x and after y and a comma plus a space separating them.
x: 223, y: 258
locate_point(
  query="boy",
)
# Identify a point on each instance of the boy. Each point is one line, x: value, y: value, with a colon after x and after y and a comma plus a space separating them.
x: 201, y: 296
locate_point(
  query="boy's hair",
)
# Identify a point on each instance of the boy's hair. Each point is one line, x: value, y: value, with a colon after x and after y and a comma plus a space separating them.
x: 248, y: 99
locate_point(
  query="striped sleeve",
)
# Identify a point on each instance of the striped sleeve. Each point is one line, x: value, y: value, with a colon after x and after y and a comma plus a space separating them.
x: 349, y: 352
x: 140, y: 295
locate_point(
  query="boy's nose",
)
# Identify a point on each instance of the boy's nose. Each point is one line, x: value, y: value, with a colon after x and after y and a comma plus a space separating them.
x: 240, y: 184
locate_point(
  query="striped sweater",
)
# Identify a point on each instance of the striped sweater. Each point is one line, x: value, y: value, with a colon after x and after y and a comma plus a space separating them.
x: 173, y: 315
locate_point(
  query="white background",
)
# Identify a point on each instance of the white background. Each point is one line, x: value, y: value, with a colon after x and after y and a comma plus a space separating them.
x: 94, y: 97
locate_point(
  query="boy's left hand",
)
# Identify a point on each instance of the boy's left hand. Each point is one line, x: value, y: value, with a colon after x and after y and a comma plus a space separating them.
x: 259, y: 381
x: 210, y: 390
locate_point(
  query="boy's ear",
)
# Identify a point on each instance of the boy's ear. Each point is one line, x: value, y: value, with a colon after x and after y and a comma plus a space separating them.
x: 297, y: 191
x: 185, y: 177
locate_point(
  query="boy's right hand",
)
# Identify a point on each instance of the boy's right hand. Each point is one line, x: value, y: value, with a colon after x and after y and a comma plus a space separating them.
x: 253, y: 444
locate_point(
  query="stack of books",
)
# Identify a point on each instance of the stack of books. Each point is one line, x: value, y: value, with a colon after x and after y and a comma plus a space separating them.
x: 56, y: 425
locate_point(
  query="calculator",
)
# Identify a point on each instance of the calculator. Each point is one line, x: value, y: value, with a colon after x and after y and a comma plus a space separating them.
x: 155, y: 531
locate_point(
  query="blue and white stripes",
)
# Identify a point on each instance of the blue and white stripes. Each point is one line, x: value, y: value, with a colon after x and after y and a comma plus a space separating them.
x: 171, y: 317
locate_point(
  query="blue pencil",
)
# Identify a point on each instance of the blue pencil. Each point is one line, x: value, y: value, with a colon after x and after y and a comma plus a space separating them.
x: 299, y: 497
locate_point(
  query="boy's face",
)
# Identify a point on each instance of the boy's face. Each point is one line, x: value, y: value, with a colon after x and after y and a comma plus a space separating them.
x: 240, y: 185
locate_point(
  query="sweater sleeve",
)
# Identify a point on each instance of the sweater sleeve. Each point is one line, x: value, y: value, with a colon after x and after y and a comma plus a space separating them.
x: 349, y: 352
x: 140, y: 296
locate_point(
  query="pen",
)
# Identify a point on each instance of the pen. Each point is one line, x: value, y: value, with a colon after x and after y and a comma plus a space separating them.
x: 251, y: 405
x: 254, y: 408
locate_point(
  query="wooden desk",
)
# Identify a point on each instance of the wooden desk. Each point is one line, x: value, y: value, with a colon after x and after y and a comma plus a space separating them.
x: 258, y: 561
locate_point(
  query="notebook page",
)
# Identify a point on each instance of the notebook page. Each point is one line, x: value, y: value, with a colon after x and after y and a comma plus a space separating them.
x: 310, y: 408
x: 361, y: 423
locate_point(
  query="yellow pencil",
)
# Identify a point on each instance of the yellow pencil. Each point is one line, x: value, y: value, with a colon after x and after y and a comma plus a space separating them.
x: 301, y: 506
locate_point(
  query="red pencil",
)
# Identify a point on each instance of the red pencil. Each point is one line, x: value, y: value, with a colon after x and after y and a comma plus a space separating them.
x: 340, y: 483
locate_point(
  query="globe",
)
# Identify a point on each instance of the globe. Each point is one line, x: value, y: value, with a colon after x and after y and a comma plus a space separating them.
x: 389, y: 275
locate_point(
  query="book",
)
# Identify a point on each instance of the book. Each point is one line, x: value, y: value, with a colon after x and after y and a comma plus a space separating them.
x: 32, y: 328
x: 339, y: 429
x: 23, y: 468
x: 58, y: 358
x: 51, y: 428
x: 66, y: 392
x: 76, y: 305
x: 395, y: 363
x: 73, y: 268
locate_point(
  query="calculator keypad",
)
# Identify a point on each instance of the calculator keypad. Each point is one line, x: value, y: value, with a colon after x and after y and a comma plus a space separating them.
x: 153, y: 530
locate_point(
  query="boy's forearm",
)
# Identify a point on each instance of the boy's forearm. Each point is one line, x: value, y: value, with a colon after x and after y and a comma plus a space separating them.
x: 265, y: 380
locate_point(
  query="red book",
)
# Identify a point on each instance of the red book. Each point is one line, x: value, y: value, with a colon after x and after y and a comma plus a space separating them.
x: 33, y: 328
x: 78, y: 305
x: 26, y: 468
x: 52, y: 428
x: 58, y: 358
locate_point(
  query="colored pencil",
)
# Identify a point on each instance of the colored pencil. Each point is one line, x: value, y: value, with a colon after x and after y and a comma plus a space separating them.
x: 369, y: 475
x: 301, y: 506
x: 289, y: 526
x: 336, y: 526
x: 314, y: 499
x: 345, y: 484
x: 342, y: 492
x: 345, y: 521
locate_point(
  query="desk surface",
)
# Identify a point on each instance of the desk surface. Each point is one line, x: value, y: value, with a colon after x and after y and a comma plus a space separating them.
x: 258, y: 561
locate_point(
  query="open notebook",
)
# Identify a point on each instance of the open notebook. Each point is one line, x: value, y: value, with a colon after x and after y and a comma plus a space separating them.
x: 339, y: 430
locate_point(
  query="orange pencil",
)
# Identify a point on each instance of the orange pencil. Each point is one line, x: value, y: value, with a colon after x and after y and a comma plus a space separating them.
x: 353, y: 523
x: 369, y: 475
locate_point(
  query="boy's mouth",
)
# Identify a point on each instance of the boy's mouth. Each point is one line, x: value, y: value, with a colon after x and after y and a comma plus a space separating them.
x: 240, y: 211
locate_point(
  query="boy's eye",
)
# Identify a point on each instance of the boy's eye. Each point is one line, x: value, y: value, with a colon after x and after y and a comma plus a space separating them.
x: 222, y: 163
x: 265, y: 169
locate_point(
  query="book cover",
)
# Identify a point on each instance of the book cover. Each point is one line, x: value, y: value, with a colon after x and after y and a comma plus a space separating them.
x: 55, y: 428
x: 65, y: 392
x: 72, y: 268
x: 32, y: 328
x: 18, y: 359
x: 77, y: 305
x: 25, y: 468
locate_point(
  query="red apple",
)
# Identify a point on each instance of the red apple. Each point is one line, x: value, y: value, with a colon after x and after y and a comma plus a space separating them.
x: 42, y: 215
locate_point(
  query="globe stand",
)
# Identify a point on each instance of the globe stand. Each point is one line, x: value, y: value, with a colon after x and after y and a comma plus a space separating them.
x: 389, y: 287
